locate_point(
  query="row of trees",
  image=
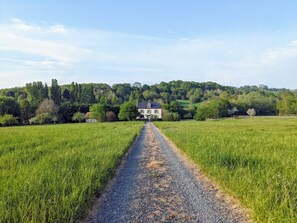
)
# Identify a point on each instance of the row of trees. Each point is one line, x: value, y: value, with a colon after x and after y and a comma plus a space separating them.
x: 37, y: 102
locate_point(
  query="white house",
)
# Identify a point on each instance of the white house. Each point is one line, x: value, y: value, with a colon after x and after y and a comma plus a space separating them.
x: 150, y: 109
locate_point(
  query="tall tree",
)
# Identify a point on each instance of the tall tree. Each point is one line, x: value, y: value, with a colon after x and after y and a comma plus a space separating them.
x: 72, y: 92
x: 56, y: 92
x: 36, y: 92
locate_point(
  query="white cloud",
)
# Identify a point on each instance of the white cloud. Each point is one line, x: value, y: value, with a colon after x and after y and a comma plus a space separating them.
x: 58, y: 29
x: 24, y: 26
x: 98, y: 55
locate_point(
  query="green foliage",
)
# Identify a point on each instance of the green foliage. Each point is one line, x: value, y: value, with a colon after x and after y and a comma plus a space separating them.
x: 27, y: 111
x: 171, y: 116
x: 78, y: 117
x: 68, y: 109
x: 87, y: 94
x: 44, y: 118
x: 253, y: 159
x: 263, y: 104
x: 8, y: 105
x: 36, y: 92
x: 212, y: 109
x: 128, y: 111
x: 180, y: 97
x: 55, y: 92
x: 8, y: 120
x: 98, y: 112
x: 287, y: 103
x: 53, y: 173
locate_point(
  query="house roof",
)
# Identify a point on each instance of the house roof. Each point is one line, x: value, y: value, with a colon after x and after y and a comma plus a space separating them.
x: 154, y: 105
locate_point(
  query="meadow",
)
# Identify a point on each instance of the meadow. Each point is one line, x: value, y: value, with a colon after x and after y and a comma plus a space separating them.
x: 253, y: 159
x: 52, y: 173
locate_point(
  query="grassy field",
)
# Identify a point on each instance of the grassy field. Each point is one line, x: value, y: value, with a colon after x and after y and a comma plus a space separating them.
x: 51, y: 173
x: 186, y: 104
x: 253, y: 159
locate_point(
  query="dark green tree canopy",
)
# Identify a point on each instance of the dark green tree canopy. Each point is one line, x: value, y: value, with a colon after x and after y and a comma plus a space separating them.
x: 128, y: 111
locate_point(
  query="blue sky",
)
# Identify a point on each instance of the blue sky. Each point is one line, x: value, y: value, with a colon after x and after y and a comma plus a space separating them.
x: 232, y: 42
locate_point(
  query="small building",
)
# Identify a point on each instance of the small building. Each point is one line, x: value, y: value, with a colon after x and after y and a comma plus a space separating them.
x: 89, y: 119
x: 150, y: 110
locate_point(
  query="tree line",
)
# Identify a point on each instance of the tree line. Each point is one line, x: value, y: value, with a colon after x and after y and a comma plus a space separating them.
x: 38, y: 103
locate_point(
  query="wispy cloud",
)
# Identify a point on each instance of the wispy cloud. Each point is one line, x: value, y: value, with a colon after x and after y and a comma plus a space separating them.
x: 47, y: 51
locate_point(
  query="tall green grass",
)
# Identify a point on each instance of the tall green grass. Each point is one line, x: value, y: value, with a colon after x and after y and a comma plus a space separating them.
x: 51, y: 173
x: 253, y: 159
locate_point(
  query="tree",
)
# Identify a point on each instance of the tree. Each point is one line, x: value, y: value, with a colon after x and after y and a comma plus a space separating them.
x: 36, y: 92
x: 48, y: 106
x: 287, y: 103
x: 251, y: 112
x: 66, y: 95
x: 8, y: 105
x: 67, y: 110
x: 78, y: 117
x: 26, y: 110
x: 56, y: 92
x: 212, y: 109
x: 128, y: 111
x: 98, y: 112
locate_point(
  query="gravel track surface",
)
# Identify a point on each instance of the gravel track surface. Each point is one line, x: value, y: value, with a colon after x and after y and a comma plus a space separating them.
x: 152, y: 185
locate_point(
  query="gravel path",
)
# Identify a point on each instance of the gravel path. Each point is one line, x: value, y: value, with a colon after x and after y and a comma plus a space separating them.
x: 152, y: 185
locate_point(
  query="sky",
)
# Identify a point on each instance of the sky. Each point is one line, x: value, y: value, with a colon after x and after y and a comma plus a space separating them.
x: 231, y: 42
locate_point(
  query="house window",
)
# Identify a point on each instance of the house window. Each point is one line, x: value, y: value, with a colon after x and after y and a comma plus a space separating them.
x: 148, y: 111
x: 156, y: 111
x: 149, y: 105
x: 141, y: 111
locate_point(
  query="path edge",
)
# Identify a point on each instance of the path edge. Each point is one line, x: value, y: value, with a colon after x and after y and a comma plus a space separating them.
x: 97, y: 200
x: 231, y: 202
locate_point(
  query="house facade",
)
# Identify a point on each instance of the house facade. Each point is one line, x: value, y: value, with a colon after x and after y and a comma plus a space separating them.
x: 148, y: 110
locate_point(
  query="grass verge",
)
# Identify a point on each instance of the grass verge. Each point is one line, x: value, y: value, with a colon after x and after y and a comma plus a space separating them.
x: 51, y: 173
x: 253, y: 159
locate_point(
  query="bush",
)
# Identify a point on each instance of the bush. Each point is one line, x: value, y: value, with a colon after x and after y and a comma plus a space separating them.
x: 171, y: 116
x: 44, y: 119
x: 78, y: 117
x: 111, y: 116
x: 176, y: 117
x: 8, y: 120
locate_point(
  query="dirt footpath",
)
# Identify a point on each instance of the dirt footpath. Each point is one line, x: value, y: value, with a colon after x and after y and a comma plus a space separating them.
x: 153, y: 185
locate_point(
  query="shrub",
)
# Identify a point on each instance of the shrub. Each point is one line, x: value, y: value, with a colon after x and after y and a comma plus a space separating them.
x: 111, y: 116
x: 78, y: 117
x: 8, y: 120
x: 176, y: 117
x: 44, y: 119
x: 171, y: 116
